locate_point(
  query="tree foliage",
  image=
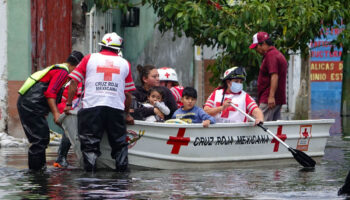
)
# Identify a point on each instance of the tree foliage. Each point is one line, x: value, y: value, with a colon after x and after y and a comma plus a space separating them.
x: 230, y: 24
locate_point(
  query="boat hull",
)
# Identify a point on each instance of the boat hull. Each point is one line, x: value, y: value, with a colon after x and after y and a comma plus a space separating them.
x: 179, y: 146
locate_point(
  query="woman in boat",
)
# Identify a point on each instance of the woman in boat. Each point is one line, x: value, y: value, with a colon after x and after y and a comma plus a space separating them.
x: 149, y: 77
x: 219, y: 102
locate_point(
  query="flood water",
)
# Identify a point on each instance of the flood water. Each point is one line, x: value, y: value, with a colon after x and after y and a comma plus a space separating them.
x: 286, y: 181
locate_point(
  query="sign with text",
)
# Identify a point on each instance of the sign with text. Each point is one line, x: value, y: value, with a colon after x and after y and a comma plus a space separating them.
x: 326, y: 75
x: 326, y: 71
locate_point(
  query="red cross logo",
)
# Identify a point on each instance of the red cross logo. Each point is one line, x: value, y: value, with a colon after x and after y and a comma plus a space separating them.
x: 178, y: 141
x: 225, y: 113
x: 281, y: 136
x: 167, y: 75
x: 108, y: 69
x: 305, y: 133
x: 109, y: 39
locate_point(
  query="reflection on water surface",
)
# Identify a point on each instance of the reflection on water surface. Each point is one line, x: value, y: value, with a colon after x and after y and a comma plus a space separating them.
x: 285, y: 181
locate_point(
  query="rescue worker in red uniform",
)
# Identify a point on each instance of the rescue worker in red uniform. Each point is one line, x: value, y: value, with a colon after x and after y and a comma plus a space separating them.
x: 37, y: 98
x: 231, y: 90
x: 168, y: 78
x: 107, y: 80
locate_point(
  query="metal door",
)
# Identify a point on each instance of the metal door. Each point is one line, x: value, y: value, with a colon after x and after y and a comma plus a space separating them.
x: 51, y: 27
x: 99, y: 23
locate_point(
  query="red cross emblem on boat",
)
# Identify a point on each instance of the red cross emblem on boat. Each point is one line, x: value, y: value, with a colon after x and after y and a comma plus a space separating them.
x: 108, y: 69
x: 281, y: 136
x: 305, y: 133
x: 178, y: 141
x: 304, y: 137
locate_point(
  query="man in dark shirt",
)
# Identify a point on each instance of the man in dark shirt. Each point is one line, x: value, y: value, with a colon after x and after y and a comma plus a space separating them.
x: 272, y: 77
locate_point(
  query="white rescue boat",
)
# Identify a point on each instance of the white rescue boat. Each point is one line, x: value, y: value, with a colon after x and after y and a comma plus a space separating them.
x: 179, y: 146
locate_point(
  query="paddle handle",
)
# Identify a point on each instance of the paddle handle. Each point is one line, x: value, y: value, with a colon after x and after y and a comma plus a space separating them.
x: 260, y: 125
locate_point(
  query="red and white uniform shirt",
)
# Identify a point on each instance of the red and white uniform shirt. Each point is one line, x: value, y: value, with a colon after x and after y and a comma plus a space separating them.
x: 106, y: 78
x: 76, y: 98
x: 231, y: 115
x: 177, y: 93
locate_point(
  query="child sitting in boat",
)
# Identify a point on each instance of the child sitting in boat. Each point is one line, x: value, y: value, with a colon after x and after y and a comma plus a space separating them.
x: 155, y: 100
x: 191, y: 113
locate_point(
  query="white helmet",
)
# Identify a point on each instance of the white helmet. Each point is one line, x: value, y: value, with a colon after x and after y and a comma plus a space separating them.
x: 167, y: 74
x: 112, y: 40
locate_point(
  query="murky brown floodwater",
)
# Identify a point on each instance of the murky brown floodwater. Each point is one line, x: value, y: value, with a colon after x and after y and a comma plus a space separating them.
x: 286, y: 181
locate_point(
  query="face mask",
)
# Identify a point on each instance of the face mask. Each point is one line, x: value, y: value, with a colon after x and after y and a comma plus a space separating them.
x: 236, y: 87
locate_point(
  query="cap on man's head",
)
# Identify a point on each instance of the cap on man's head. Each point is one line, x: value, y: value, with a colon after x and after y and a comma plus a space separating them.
x: 259, y: 38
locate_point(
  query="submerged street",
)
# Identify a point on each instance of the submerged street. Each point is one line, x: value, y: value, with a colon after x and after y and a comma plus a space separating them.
x: 280, y: 181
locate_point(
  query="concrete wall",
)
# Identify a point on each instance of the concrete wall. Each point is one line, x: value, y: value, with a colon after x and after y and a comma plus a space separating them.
x: 78, y: 26
x: 19, y: 52
x: 18, y: 57
x: 144, y: 44
x: 3, y: 66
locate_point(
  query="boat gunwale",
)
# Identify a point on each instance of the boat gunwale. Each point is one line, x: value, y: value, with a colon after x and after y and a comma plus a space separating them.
x: 244, y: 124
x: 221, y: 125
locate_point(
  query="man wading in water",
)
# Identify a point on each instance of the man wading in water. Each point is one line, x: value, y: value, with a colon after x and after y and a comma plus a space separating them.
x: 37, y: 98
x: 103, y: 107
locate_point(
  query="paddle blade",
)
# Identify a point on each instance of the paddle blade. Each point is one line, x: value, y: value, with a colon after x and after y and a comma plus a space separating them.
x: 345, y: 190
x: 302, y: 158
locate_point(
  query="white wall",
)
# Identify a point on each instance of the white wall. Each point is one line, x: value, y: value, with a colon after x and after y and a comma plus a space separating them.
x: 210, y: 53
x: 3, y: 66
x: 293, y: 84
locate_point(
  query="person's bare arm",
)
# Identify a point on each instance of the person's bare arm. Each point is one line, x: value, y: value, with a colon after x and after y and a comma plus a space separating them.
x: 54, y: 109
x: 128, y: 118
x: 206, y: 123
x: 71, y: 93
x: 214, y: 111
x: 162, y: 107
x: 258, y: 115
x: 159, y: 113
x: 273, y: 87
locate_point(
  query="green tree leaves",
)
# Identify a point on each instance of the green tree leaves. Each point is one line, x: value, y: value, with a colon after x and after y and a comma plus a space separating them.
x: 292, y: 24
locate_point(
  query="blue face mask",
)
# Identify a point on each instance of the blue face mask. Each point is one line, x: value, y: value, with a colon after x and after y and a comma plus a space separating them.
x: 236, y: 87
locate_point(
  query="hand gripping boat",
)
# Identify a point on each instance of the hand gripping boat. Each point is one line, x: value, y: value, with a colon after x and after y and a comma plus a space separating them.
x: 179, y: 146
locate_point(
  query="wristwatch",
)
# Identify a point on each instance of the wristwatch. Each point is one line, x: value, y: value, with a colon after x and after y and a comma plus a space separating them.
x: 68, y: 104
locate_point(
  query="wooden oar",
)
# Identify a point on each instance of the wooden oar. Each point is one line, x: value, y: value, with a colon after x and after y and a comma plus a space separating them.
x: 299, y: 156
